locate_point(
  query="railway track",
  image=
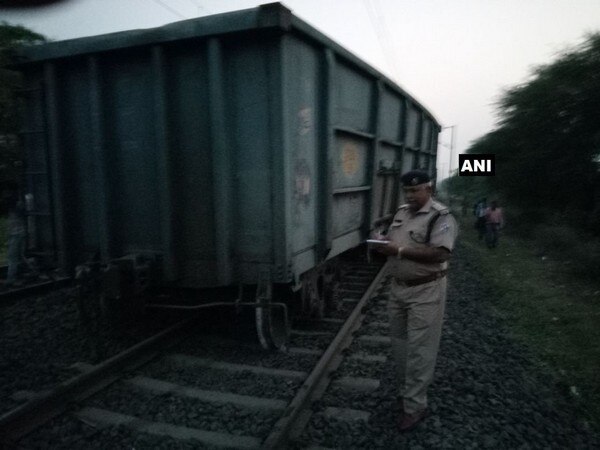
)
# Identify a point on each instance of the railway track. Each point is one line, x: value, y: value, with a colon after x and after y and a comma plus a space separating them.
x: 38, y: 284
x: 214, y: 391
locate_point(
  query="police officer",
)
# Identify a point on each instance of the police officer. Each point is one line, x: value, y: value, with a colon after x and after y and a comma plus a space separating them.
x: 420, y: 241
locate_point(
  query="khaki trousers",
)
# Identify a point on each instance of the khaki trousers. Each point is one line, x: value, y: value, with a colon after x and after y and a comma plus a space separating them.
x: 416, y: 315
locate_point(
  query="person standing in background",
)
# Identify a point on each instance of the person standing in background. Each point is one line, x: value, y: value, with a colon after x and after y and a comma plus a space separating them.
x: 494, y: 221
x: 479, y: 212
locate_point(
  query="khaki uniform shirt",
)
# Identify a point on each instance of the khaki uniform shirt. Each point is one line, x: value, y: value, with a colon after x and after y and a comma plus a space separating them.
x: 409, y: 229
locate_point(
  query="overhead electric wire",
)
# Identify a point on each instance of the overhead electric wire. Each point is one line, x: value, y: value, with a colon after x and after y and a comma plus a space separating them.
x: 383, y: 35
x: 200, y: 7
x: 167, y: 7
x: 387, y: 39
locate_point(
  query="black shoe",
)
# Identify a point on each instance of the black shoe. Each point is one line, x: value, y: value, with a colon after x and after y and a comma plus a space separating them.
x: 409, y: 421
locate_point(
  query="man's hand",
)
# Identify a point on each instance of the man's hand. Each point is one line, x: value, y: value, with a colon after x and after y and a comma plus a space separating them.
x: 388, y: 249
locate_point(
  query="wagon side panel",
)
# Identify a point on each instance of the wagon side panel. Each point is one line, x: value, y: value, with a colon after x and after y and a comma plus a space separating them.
x: 251, y: 134
x: 190, y: 142
x: 307, y: 166
x: 354, y: 127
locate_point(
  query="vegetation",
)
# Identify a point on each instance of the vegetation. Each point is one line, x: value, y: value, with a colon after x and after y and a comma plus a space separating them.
x: 553, y: 313
x: 547, y: 143
x: 546, y: 272
x: 11, y: 37
x: 547, y: 147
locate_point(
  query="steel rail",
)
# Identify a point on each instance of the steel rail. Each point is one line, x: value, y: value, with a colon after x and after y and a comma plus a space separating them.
x: 34, y: 288
x: 20, y: 421
x: 295, y: 416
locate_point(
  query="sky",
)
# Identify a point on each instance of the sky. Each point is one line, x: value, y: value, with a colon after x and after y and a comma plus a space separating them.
x: 456, y: 57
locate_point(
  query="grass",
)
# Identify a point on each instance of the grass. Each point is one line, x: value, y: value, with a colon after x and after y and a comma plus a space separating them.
x: 546, y: 307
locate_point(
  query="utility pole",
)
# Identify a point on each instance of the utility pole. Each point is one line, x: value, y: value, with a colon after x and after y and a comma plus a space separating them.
x: 452, y: 145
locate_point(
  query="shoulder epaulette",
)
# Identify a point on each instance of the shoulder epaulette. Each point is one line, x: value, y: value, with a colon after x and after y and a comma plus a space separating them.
x: 441, y: 208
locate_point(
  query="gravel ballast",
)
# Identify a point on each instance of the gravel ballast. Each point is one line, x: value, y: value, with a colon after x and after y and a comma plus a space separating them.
x: 41, y: 338
x: 487, y: 391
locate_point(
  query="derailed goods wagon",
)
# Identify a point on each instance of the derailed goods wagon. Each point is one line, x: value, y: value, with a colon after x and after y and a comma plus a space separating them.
x: 234, y: 150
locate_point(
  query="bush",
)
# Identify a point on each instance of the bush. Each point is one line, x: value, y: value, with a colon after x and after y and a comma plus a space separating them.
x: 585, y: 259
x: 556, y: 239
x: 580, y: 251
x: 523, y: 222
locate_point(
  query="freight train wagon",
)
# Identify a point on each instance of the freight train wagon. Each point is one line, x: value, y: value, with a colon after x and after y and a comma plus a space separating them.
x: 239, y: 149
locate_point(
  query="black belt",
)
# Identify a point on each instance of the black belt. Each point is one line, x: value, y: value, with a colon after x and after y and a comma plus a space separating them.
x: 422, y: 280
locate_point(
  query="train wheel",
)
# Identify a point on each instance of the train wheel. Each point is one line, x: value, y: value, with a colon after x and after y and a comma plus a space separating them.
x: 272, y: 324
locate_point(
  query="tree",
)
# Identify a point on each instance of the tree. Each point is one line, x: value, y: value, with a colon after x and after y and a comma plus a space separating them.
x: 548, y: 140
x: 11, y: 38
